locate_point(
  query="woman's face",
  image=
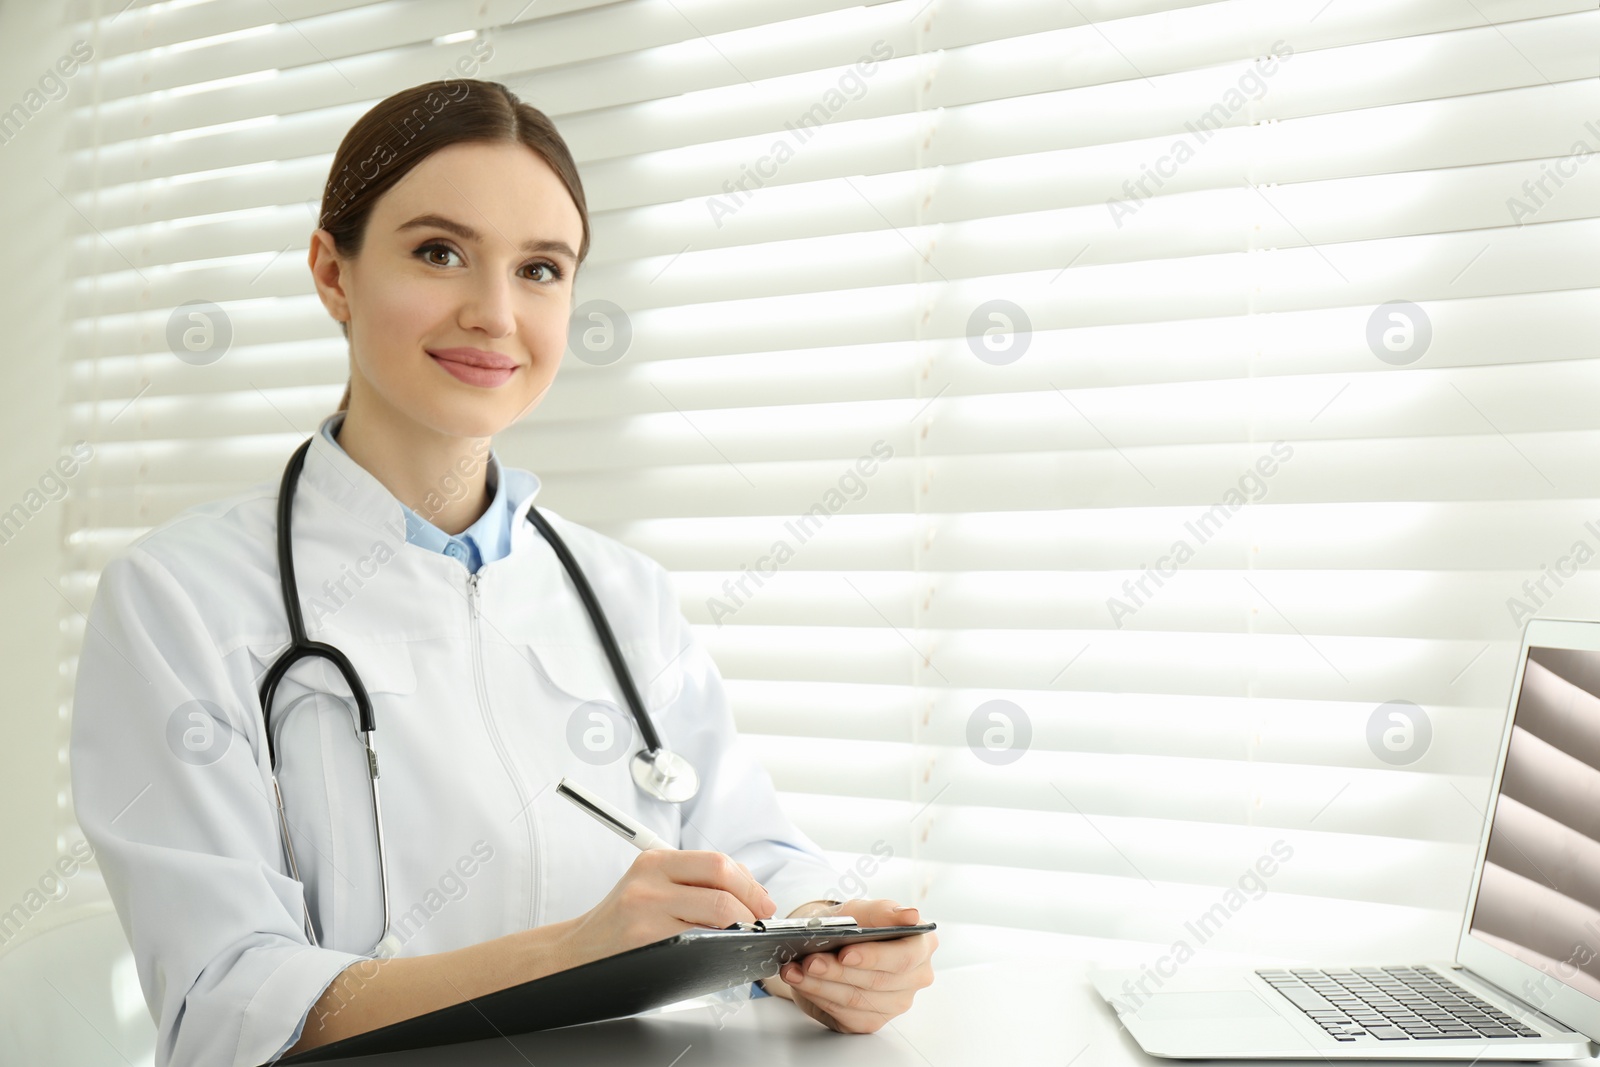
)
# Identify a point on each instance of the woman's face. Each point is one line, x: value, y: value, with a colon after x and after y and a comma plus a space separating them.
x: 470, y: 256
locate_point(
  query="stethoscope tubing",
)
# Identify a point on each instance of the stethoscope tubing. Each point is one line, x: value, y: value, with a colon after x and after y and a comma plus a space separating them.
x: 602, y: 629
x: 302, y: 648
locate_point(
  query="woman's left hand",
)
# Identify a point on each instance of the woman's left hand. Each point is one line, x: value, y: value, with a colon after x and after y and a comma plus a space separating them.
x: 862, y: 986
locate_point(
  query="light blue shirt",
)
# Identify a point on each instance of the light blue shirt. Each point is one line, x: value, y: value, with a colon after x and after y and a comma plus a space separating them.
x: 485, y: 541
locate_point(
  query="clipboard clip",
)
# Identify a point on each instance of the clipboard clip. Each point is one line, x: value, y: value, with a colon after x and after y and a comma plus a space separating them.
x: 820, y: 922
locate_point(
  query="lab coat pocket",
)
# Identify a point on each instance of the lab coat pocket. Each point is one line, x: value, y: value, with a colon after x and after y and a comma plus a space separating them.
x: 322, y: 772
x: 384, y: 665
x: 583, y: 672
x: 598, y: 724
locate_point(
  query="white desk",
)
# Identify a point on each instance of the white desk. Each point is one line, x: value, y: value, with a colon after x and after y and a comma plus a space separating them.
x: 71, y: 997
x: 1018, y: 1013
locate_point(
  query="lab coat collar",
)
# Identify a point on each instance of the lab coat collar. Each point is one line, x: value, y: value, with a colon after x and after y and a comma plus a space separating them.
x: 330, y: 470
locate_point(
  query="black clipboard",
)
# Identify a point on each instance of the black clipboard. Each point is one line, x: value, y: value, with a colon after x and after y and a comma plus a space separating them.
x: 686, y: 965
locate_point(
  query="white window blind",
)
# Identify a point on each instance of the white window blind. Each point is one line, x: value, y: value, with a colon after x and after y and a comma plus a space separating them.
x: 1196, y: 217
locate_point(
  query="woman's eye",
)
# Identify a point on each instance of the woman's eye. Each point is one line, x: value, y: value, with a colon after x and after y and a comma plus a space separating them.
x: 428, y: 250
x: 553, y: 272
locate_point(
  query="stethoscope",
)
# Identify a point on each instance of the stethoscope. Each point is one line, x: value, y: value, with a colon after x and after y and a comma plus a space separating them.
x: 657, y: 771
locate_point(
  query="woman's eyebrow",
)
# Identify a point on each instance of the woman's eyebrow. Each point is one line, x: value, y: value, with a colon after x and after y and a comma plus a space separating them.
x: 467, y: 233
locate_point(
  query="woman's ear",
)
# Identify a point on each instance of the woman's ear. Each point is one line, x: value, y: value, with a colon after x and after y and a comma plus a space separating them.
x: 328, y: 275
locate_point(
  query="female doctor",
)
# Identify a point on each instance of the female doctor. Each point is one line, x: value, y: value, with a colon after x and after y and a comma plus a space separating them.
x: 452, y: 225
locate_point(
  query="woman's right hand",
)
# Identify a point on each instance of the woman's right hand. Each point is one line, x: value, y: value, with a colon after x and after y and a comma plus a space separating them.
x: 664, y: 892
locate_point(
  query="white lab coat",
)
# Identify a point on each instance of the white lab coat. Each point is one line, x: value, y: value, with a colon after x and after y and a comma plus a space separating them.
x: 474, y: 696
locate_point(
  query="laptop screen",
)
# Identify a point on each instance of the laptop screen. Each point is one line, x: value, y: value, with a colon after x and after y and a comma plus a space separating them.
x: 1539, y: 895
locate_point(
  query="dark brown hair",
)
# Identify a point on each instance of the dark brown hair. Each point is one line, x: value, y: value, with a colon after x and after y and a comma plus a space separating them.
x: 406, y: 128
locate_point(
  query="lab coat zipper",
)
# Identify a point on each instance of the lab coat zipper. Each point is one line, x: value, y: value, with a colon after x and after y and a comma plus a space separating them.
x: 524, y: 805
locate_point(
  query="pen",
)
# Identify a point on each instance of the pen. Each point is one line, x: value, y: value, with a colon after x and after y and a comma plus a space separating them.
x: 630, y: 830
x: 644, y: 839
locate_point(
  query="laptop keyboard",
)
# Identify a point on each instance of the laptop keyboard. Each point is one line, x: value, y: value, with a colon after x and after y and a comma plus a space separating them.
x: 1393, y: 1004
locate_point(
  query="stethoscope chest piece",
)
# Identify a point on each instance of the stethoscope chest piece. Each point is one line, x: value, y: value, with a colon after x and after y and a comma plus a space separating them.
x: 664, y: 775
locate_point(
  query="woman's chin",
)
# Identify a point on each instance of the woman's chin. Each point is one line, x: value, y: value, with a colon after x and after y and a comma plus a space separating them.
x: 460, y: 420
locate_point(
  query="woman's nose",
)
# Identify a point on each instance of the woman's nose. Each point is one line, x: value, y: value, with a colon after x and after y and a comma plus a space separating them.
x: 488, y: 307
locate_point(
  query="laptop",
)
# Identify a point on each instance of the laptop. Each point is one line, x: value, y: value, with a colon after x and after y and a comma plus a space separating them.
x: 1525, y: 980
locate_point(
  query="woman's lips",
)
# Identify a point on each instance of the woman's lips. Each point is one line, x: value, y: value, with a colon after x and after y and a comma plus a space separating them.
x: 485, y: 377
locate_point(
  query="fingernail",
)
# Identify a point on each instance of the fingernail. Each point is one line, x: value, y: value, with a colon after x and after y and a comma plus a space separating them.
x: 907, y: 907
x: 850, y: 959
x: 816, y: 966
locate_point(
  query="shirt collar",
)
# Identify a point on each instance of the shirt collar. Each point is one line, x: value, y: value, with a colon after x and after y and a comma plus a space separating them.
x: 355, y: 489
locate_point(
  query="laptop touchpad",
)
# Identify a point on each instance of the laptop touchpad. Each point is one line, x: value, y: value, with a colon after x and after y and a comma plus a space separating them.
x: 1218, y: 1004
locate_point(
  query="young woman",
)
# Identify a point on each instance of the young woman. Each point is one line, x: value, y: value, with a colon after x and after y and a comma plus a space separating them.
x: 452, y: 226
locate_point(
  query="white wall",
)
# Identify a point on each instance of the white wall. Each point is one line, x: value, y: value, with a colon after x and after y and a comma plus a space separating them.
x: 33, y: 216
